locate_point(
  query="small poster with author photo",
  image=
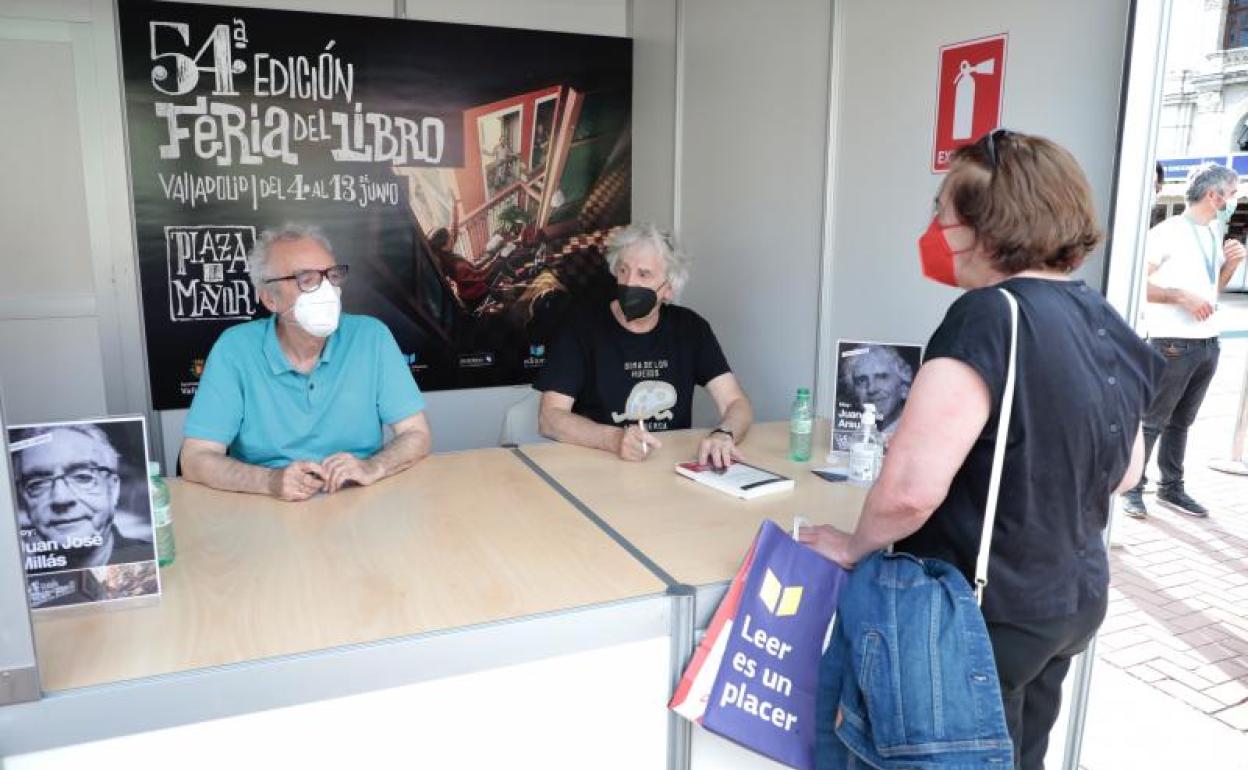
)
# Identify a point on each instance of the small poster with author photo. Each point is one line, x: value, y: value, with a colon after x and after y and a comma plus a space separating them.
x: 878, y: 373
x: 84, y: 512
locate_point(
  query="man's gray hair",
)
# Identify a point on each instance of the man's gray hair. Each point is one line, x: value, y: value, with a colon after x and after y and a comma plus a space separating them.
x: 1206, y: 177
x: 258, y: 260
x: 849, y: 364
x: 639, y: 234
x: 90, y: 430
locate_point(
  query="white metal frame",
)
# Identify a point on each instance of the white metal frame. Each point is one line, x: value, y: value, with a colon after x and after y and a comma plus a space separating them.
x: 1143, y: 73
x: 825, y: 343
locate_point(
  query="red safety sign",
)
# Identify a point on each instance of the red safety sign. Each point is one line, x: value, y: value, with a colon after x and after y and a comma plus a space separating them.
x: 968, y: 96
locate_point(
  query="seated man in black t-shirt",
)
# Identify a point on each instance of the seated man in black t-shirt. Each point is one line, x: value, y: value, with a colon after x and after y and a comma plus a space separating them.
x: 620, y: 371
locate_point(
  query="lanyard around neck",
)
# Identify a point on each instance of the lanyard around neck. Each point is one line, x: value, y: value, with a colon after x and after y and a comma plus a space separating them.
x: 1208, y: 257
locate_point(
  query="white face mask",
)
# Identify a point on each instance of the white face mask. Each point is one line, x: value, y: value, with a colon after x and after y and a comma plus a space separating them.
x: 317, y: 312
x: 1224, y: 214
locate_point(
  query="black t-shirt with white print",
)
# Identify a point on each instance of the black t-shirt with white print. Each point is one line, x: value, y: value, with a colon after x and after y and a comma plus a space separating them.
x: 618, y: 377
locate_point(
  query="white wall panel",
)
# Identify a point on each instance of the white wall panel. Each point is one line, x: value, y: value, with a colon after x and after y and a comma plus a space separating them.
x: 50, y: 369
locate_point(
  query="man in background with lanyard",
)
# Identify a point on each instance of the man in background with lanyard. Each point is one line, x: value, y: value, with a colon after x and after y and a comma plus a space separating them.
x: 1190, y: 260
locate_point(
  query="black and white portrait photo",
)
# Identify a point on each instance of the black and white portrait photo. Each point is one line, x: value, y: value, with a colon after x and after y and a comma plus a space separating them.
x: 83, y: 505
x: 877, y: 373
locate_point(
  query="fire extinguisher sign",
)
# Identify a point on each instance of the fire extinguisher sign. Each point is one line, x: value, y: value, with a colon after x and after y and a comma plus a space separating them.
x: 968, y: 96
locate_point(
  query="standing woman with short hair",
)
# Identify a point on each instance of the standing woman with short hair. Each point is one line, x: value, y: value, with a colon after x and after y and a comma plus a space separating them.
x: 1015, y: 212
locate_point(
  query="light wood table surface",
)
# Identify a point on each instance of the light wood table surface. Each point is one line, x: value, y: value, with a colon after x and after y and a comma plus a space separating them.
x: 697, y: 534
x: 460, y: 539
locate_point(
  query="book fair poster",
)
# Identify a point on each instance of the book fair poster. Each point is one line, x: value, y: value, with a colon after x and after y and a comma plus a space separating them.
x: 468, y: 175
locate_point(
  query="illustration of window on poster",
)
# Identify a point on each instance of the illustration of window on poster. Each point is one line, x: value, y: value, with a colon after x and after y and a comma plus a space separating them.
x: 878, y: 373
x: 469, y: 176
x: 84, y: 513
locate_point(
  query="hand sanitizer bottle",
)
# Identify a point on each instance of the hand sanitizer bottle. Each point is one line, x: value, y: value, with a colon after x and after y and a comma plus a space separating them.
x: 867, y: 453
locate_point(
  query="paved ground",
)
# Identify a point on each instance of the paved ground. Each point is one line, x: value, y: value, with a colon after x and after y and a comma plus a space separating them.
x: 1174, y: 647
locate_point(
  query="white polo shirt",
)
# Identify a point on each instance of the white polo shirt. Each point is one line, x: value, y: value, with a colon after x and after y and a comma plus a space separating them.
x: 1186, y: 256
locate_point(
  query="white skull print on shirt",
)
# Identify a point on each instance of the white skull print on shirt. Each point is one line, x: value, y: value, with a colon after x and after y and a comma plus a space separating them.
x: 650, y: 400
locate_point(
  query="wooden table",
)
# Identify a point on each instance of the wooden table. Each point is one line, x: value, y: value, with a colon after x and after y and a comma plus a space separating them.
x: 697, y: 534
x: 460, y: 539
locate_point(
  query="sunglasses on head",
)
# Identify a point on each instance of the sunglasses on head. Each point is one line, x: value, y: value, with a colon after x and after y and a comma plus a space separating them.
x: 991, y: 141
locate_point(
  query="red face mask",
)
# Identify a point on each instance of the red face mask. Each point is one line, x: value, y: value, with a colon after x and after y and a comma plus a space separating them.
x: 935, y: 254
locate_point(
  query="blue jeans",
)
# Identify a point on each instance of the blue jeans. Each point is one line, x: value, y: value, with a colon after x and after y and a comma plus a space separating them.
x: 1190, y: 365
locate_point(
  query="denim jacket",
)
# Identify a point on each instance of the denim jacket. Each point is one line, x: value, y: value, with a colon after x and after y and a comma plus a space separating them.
x: 908, y: 679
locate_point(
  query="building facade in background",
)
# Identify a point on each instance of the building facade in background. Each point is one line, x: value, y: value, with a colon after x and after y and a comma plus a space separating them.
x: 1205, y: 94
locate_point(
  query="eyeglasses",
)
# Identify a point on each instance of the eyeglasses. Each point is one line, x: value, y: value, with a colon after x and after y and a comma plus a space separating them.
x: 82, y: 480
x: 990, y: 146
x: 310, y: 280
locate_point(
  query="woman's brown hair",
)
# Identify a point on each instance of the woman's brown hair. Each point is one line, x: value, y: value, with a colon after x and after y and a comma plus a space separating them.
x: 1027, y: 200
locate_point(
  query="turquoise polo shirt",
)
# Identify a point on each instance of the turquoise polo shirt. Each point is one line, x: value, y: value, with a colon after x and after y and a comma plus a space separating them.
x: 266, y: 412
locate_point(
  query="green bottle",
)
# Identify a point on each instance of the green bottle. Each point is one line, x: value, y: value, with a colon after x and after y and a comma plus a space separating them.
x: 161, y: 516
x: 801, y: 427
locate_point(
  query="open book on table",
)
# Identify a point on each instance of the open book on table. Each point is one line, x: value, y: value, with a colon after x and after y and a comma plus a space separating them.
x: 739, y: 479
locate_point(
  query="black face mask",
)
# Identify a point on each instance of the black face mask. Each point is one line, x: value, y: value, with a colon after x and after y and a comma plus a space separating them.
x: 636, y: 301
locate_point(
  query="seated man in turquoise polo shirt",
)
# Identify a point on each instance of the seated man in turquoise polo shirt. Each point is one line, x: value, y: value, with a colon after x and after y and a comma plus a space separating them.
x: 295, y: 404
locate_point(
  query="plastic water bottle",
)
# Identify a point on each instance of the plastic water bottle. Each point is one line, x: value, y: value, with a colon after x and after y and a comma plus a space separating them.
x: 867, y: 453
x: 161, y: 516
x: 801, y: 427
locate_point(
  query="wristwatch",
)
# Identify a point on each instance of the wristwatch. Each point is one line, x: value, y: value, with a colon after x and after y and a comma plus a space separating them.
x: 726, y: 431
